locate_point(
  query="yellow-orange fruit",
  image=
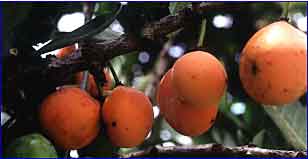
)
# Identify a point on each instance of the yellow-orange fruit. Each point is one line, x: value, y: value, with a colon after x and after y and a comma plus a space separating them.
x: 184, y: 118
x: 199, y: 78
x: 63, y: 52
x: 128, y: 116
x: 70, y: 118
x: 91, y: 87
x: 273, y: 64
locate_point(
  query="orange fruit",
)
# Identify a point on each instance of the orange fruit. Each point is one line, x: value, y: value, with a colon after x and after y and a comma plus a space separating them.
x: 273, y: 64
x: 63, y: 52
x: 91, y: 82
x: 199, y: 78
x: 128, y: 116
x: 184, y: 118
x: 70, y: 118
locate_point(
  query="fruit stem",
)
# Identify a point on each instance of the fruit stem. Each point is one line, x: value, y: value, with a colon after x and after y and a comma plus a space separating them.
x: 285, y: 12
x: 114, y: 74
x: 88, y: 11
x: 202, y: 33
x: 98, y: 77
x: 83, y: 84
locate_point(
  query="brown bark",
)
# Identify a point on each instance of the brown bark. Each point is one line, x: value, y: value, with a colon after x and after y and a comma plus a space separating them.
x: 212, y: 150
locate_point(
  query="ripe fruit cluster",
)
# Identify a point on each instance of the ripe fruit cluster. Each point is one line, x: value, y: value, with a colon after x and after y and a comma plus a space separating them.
x: 71, y: 117
x: 272, y: 71
x: 189, y: 93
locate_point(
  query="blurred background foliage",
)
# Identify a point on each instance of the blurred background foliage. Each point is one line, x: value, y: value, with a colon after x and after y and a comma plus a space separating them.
x: 240, y: 120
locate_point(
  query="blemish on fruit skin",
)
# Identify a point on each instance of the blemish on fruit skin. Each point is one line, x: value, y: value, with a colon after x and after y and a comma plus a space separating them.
x: 285, y: 90
x: 254, y: 68
x: 270, y: 63
x: 126, y: 129
x: 181, y: 100
x: 193, y: 76
x: 269, y: 86
x: 212, y: 121
x: 114, y: 124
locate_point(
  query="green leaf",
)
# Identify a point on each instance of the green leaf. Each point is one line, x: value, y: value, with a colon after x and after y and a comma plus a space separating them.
x: 174, y: 7
x: 259, y: 138
x: 107, y: 7
x: 31, y: 146
x: 291, y: 120
x: 93, y: 27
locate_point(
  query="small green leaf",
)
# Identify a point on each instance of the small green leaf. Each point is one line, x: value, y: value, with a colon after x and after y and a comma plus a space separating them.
x: 107, y: 7
x: 31, y: 146
x: 259, y: 138
x: 291, y: 120
x: 174, y: 7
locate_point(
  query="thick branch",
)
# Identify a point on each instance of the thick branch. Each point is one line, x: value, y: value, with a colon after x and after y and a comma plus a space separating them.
x: 153, y: 31
x: 212, y: 150
x: 184, y: 17
x: 101, y: 52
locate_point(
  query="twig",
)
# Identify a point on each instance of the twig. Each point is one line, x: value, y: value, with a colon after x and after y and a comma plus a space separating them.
x: 114, y: 74
x: 212, y: 150
x: 202, y: 33
x: 159, y: 69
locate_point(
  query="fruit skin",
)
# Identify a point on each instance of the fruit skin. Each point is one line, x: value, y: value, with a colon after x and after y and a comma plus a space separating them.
x: 63, y: 52
x: 128, y: 116
x: 91, y: 82
x: 273, y: 64
x: 199, y: 78
x: 31, y: 146
x: 184, y: 118
x: 70, y: 117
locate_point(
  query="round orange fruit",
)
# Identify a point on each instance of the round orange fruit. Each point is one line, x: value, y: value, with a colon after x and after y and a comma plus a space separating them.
x: 199, y: 78
x: 184, y: 118
x: 128, y: 116
x: 70, y: 118
x: 273, y: 64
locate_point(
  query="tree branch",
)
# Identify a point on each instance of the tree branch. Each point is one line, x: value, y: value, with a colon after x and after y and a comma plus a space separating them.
x: 153, y: 31
x: 212, y: 150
